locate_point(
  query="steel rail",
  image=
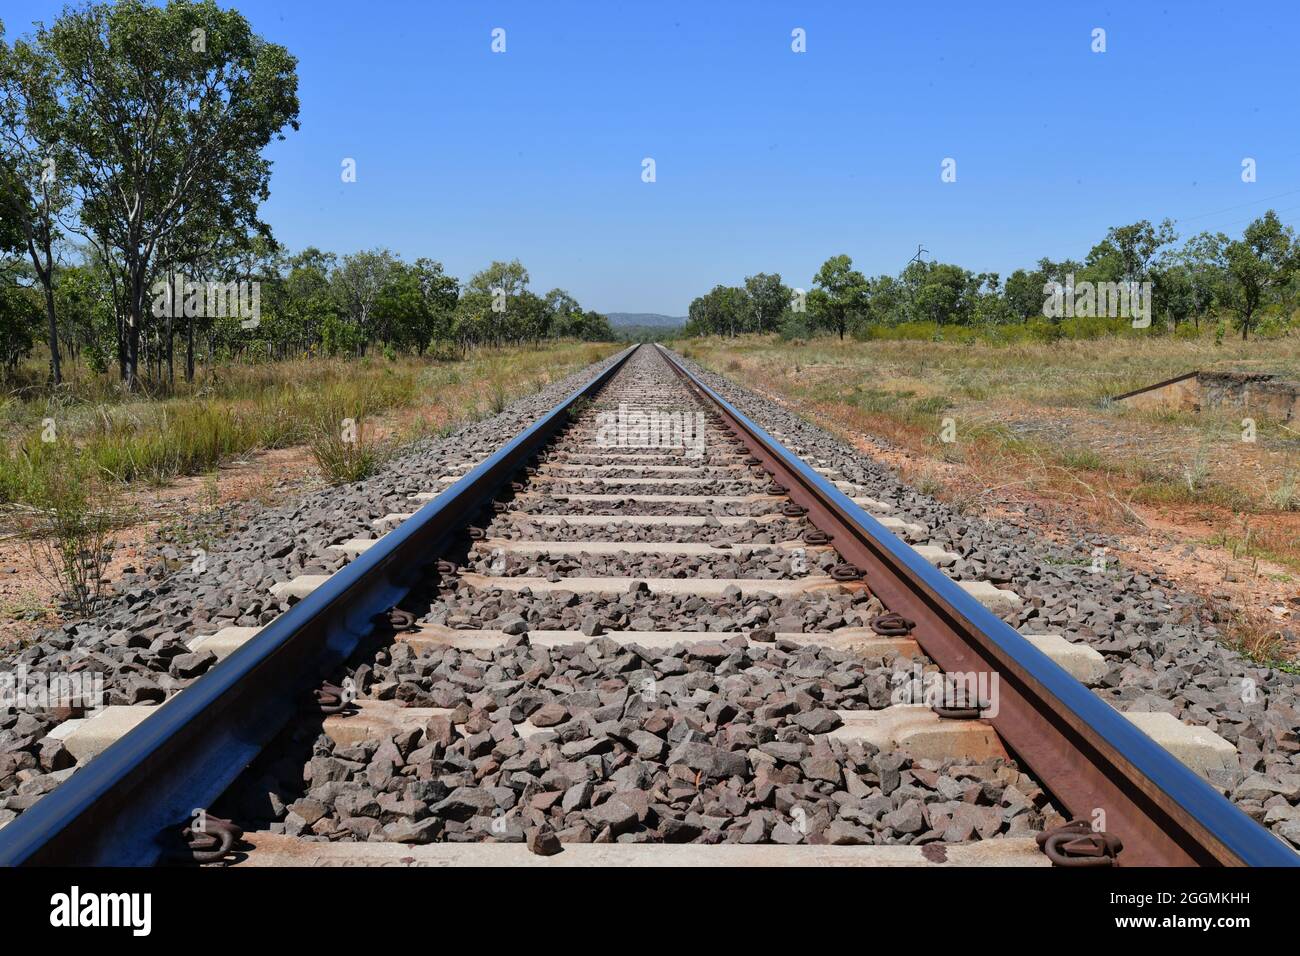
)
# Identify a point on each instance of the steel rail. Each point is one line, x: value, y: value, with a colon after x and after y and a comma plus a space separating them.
x: 123, y: 806
x: 1086, y: 753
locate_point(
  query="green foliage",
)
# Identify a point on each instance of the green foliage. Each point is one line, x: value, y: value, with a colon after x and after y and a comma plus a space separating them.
x: 762, y: 304
x: 840, y: 295
x: 20, y: 317
x: 1256, y: 279
x: 156, y: 118
x: 1263, y: 259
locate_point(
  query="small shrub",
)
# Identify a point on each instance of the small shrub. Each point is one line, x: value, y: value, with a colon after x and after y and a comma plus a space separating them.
x: 579, y: 407
x: 71, y: 542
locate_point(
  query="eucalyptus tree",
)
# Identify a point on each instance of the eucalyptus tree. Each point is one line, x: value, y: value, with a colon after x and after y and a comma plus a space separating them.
x: 19, y: 313
x: 493, y: 305
x: 507, y: 278
x: 1203, y: 255
x: 359, y: 282
x: 1136, y: 246
x: 441, y: 293
x: 164, y: 113
x: 767, y: 298
x: 1257, y: 264
x: 841, y: 294
x: 303, y: 303
x: 723, y: 310
x: 588, y: 326
x: 1172, y: 290
x: 33, y: 188
x: 561, y: 310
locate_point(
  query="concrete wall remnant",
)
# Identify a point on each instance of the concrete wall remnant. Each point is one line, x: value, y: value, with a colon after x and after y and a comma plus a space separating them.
x: 1264, y: 393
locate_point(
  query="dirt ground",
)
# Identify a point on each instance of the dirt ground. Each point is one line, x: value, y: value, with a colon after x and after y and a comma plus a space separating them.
x: 28, y: 595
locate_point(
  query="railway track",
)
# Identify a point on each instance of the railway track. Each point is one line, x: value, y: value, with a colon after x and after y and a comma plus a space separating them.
x: 643, y: 632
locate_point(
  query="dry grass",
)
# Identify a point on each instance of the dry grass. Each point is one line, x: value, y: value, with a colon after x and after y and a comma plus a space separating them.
x: 237, y: 409
x: 1033, y: 420
x: 1257, y: 636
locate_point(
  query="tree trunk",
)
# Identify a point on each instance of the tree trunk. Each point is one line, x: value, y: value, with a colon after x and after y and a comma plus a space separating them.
x: 131, y: 355
x: 38, y: 246
x: 56, y: 370
x: 134, y: 323
x: 171, y: 365
x: 189, y: 350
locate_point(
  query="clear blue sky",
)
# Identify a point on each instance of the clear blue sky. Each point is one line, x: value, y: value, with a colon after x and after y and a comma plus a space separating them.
x: 769, y: 160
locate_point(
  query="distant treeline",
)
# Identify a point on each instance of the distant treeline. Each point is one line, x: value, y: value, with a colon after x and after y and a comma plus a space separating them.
x: 286, y: 306
x: 1138, y: 276
x: 647, y: 333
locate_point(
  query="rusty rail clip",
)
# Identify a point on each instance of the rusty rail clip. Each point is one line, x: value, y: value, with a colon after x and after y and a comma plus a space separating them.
x: 401, y: 619
x: 776, y: 489
x: 845, y: 572
x: 972, y: 709
x: 393, y: 619
x: 446, y: 569
x: 891, y: 625
x: 332, y: 699
x: 476, y: 533
x: 793, y: 510
x: 961, y: 713
x: 817, y: 536
x: 211, y: 843
x: 1076, y: 844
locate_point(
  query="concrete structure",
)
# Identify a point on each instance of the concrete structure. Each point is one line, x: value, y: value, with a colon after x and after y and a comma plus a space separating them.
x: 1263, y: 393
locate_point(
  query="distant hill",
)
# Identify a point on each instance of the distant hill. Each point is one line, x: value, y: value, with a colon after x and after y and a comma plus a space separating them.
x: 623, y: 319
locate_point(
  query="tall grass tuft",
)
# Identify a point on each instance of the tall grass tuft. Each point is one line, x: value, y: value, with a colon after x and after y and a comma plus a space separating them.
x: 340, y: 442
